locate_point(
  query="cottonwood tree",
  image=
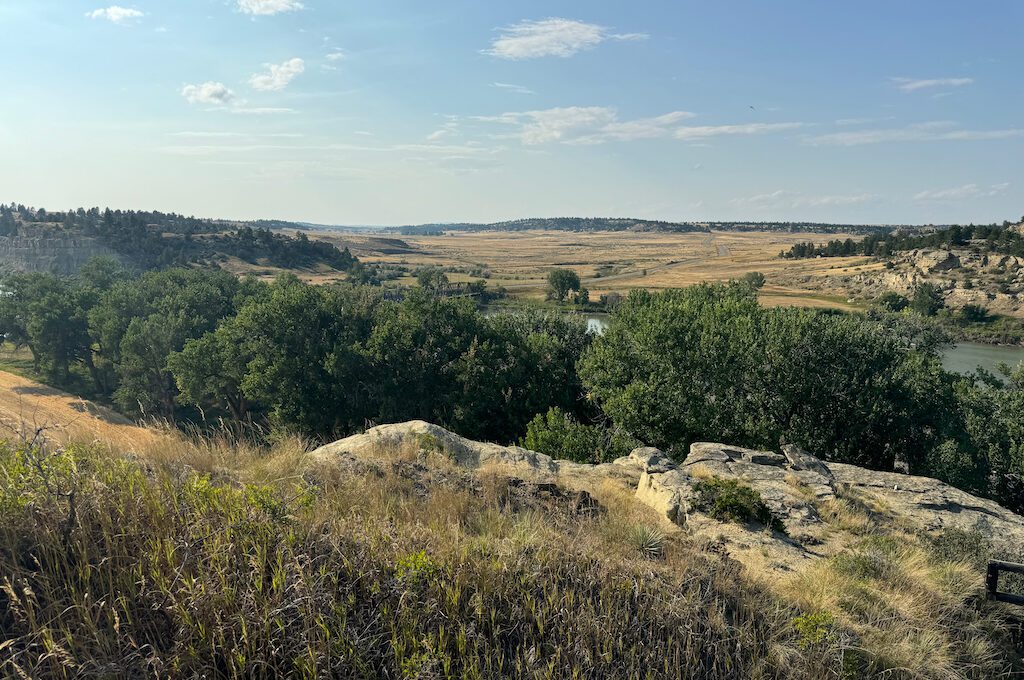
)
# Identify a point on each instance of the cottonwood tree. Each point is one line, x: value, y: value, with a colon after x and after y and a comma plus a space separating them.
x: 561, y: 281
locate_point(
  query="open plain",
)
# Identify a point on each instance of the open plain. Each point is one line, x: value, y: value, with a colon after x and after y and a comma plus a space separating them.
x: 616, y: 261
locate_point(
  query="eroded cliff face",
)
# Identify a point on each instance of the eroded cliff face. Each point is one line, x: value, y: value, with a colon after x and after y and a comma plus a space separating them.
x: 48, y: 252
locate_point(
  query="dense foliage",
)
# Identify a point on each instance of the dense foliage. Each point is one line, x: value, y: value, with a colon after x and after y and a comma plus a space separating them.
x: 198, y: 344
x: 561, y: 436
x: 993, y: 238
x: 709, y: 363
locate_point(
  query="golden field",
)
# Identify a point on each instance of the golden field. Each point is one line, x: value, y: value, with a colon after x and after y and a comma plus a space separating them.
x: 616, y: 261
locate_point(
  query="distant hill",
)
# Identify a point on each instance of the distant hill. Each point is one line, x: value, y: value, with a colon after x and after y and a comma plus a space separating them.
x: 630, y: 224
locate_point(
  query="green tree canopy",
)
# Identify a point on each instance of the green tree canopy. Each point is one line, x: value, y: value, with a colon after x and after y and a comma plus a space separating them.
x: 709, y: 363
x: 561, y: 281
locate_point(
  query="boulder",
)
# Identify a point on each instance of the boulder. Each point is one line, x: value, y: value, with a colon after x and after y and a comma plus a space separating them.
x: 801, y: 460
x: 935, y: 261
x: 421, y: 437
x: 651, y: 459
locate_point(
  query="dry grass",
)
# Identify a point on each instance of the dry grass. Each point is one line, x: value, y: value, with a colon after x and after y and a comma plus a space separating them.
x: 116, y: 568
x: 218, y: 557
x: 920, y: 613
x: 26, y: 405
x: 620, y: 261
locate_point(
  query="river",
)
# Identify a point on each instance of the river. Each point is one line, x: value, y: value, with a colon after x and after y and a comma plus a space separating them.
x: 965, y: 357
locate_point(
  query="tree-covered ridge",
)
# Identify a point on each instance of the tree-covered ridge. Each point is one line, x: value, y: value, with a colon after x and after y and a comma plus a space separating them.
x: 994, y: 238
x: 630, y: 224
x: 151, y: 240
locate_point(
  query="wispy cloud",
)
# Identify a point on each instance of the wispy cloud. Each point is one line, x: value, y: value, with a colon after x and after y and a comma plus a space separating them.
x: 585, y: 125
x: 278, y: 76
x: 446, y: 130
x: 509, y: 87
x: 795, y: 199
x: 210, y: 93
x: 847, y: 122
x: 552, y: 37
x: 920, y: 132
x: 337, y: 54
x: 116, y: 14
x: 706, y: 131
x: 912, y: 84
x: 967, y: 191
x: 268, y: 7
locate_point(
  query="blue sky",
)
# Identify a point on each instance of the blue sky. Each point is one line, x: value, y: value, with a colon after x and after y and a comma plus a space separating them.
x: 405, y: 111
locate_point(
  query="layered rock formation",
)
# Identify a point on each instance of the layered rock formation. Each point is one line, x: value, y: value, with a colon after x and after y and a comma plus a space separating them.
x: 821, y: 507
x: 48, y: 253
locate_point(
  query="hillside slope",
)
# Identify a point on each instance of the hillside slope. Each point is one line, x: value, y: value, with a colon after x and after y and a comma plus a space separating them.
x: 411, y: 552
x: 27, y: 406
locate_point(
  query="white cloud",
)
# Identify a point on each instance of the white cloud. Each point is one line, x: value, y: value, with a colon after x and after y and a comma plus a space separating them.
x: 268, y: 7
x: 967, y: 191
x: 912, y: 85
x: 518, y: 89
x: 705, y: 131
x: 551, y: 38
x: 278, y: 76
x: 920, y: 132
x: 336, y: 54
x: 449, y: 128
x: 585, y: 125
x: 214, y: 94
x: 116, y: 14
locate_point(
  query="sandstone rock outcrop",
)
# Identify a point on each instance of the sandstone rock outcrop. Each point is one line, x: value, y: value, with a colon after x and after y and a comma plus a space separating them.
x: 933, y: 261
x: 48, y: 253
x: 800, y: 490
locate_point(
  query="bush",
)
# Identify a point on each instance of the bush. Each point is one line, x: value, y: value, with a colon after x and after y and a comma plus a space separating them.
x: 814, y: 628
x: 728, y: 500
x: 974, y: 314
x: 927, y: 300
x: 559, y: 435
x: 708, y: 363
x: 893, y: 302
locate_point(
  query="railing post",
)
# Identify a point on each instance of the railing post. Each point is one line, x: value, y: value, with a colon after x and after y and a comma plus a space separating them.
x: 992, y: 582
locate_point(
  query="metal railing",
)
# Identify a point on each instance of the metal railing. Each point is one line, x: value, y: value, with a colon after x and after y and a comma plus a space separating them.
x: 996, y: 567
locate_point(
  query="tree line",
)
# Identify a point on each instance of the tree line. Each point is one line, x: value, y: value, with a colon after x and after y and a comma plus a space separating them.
x: 152, y: 240
x: 706, y: 363
x: 202, y: 344
x: 990, y: 238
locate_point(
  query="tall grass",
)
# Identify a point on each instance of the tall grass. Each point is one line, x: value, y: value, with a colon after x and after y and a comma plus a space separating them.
x: 233, y: 561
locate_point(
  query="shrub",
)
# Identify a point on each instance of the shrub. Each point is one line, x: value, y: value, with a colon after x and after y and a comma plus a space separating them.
x: 559, y: 435
x: 648, y: 541
x: 728, y: 500
x: 974, y: 314
x: 892, y: 301
x: 814, y: 628
x: 708, y: 363
x: 927, y: 300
